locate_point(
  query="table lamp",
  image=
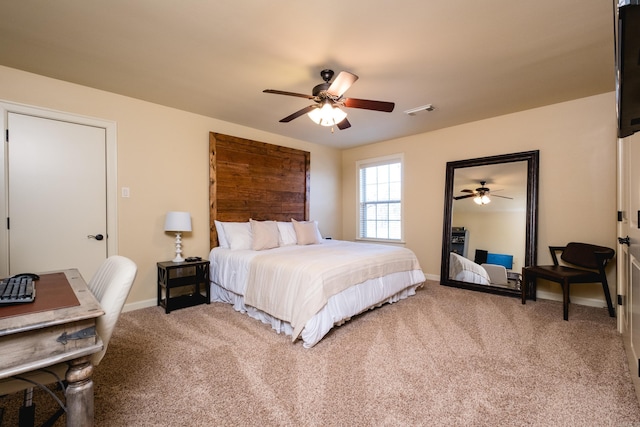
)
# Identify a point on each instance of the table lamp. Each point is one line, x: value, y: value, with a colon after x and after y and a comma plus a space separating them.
x: 178, y: 222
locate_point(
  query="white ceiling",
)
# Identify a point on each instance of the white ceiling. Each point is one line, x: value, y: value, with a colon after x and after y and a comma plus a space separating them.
x: 471, y: 60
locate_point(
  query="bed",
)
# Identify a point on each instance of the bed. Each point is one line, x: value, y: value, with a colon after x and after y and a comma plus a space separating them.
x: 303, y: 285
x: 259, y: 216
x: 494, y: 274
x: 465, y: 270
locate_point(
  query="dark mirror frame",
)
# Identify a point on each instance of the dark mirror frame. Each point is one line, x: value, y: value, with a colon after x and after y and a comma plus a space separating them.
x: 532, y: 159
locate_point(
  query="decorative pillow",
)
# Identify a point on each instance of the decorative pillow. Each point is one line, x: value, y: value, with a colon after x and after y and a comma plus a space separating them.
x: 265, y: 235
x: 287, y: 233
x: 318, y: 235
x: 306, y: 232
x: 222, y: 239
x: 238, y: 234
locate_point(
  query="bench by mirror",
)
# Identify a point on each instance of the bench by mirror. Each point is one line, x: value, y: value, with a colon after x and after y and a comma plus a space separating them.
x: 490, y: 213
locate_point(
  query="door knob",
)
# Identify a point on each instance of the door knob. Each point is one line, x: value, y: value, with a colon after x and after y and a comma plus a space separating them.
x: 97, y: 236
x: 624, y: 240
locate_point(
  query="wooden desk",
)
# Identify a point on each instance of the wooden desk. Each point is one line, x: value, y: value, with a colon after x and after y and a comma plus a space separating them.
x: 38, y: 339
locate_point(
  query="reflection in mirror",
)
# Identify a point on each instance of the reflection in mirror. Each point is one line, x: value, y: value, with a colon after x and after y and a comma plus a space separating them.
x: 489, y: 228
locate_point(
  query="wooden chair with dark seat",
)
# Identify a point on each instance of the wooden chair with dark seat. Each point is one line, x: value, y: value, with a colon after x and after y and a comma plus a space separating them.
x: 587, y: 263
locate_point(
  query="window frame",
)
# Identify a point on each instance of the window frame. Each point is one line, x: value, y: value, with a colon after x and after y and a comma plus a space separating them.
x: 378, y: 161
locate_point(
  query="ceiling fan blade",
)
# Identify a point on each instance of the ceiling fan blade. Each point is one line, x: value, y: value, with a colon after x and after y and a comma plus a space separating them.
x: 367, y: 104
x: 466, y: 190
x: 344, y: 124
x: 343, y: 82
x: 298, y: 113
x: 502, y: 197
x: 463, y: 197
x: 281, y: 92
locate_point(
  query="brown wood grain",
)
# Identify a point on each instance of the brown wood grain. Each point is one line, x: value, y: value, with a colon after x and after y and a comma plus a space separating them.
x: 252, y: 179
x: 52, y: 292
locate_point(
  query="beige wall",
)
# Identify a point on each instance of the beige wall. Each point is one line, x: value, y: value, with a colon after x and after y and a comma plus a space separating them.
x: 163, y: 159
x: 577, y: 197
x: 486, y: 232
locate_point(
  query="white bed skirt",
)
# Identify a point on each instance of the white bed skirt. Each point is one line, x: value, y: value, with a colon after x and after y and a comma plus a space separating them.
x: 339, y: 308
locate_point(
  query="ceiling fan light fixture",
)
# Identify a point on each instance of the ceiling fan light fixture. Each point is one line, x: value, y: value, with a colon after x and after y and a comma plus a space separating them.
x: 482, y: 199
x: 327, y: 115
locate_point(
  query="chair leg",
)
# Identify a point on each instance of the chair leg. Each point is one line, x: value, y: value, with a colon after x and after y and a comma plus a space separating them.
x: 528, y: 286
x: 27, y: 413
x: 565, y: 299
x: 605, y: 288
x: 532, y: 289
x: 51, y: 421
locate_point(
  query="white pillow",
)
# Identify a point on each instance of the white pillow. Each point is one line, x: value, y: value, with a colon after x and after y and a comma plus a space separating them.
x: 238, y: 234
x: 222, y: 239
x: 318, y: 235
x: 287, y: 233
x: 265, y: 235
x: 306, y: 232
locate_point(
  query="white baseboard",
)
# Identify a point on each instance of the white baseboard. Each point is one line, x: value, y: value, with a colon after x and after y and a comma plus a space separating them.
x: 589, y: 302
x: 140, y: 304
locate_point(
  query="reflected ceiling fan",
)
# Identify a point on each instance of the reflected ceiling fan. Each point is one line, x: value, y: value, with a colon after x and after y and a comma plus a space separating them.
x: 328, y: 99
x: 480, y: 195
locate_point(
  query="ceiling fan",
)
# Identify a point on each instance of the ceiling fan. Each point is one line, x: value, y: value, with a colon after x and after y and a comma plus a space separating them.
x: 480, y: 194
x: 328, y: 100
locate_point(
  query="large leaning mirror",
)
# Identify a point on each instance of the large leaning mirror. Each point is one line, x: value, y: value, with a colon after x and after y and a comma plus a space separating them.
x: 490, y: 230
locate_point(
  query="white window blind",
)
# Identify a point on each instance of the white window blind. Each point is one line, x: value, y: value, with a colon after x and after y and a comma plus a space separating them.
x: 380, y: 198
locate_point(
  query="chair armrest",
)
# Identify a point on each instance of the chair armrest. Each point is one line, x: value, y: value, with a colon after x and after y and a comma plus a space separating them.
x: 554, y: 253
x: 603, y: 259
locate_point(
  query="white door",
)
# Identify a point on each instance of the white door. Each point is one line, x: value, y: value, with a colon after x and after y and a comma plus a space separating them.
x: 629, y: 252
x: 623, y: 266
x: 56, y: 195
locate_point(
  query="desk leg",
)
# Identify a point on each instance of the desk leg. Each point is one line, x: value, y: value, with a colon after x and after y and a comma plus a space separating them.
x: 79, y: 393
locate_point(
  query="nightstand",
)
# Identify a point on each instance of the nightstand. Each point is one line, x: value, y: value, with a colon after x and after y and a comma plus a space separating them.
x: 173, y: 275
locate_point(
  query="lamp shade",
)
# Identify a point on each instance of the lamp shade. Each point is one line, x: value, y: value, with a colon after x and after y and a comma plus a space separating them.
x: 177, y: 221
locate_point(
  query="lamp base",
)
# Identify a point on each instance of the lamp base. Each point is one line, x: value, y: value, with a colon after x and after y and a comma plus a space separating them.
x: 178, y: 257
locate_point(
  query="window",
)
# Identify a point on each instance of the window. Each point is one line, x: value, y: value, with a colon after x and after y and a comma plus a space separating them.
x: 380, y: 198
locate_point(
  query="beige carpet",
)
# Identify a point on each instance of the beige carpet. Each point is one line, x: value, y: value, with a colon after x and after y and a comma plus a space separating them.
x: 443, y: 357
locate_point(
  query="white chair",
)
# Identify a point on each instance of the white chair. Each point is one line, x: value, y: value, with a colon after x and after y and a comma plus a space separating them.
x: 110, y: 285
x: 497, y: 273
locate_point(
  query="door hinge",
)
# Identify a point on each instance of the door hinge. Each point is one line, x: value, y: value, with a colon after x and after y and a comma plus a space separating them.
x: 6, y: 135
x: 8, y: 223
x: 620, y: 300
x: 619, y: 216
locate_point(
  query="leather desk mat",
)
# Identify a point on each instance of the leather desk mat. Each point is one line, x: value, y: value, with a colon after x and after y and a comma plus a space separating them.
x: 53, y: 291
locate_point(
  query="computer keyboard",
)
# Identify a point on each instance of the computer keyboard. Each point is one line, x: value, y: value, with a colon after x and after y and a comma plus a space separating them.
x: 17, y: 290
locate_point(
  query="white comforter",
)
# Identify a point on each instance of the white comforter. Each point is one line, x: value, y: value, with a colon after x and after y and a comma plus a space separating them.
x: 233, y: 271
x: 465, y: 270
x: 294, y: 283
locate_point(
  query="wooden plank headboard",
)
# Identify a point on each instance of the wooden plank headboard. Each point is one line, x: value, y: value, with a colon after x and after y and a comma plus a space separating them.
x: 251, y: 179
